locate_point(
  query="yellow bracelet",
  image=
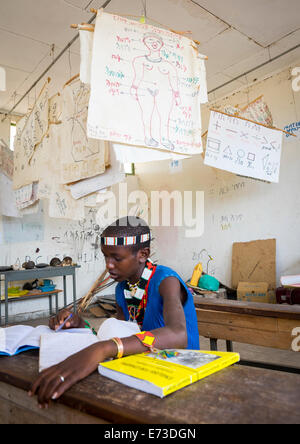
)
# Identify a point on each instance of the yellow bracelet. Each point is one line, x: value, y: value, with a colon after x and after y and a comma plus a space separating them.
x: 120, y: 346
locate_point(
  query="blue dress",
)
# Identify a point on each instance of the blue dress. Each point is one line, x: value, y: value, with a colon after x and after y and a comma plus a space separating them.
x: 154, y: 312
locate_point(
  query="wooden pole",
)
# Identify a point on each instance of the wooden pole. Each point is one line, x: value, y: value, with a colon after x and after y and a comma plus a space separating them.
x: 252, y: 121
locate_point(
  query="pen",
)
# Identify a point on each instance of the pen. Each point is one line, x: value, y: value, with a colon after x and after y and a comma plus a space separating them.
x: 64, y: 323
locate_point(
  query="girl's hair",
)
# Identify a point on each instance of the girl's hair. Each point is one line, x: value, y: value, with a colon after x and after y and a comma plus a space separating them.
x: 126, y: 227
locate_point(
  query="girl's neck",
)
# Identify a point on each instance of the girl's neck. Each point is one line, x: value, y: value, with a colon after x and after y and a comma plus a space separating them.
x: 137, y: 276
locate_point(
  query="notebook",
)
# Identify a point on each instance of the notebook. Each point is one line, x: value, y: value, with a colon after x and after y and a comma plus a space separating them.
x: 19, y: 338
x: 56, y: 348
x: 162, y: 375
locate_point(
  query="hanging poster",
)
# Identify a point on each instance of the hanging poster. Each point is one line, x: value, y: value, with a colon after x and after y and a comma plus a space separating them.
x: 44, y: 162
x: 81, y: 157
x: 258, y: 111
x: 7, y: 201
x: 55, y: 109
x: 147, y: 85
x: 86, y: 52
x: 6, y: 159
x: 36, y: 125
x: 243, y: 147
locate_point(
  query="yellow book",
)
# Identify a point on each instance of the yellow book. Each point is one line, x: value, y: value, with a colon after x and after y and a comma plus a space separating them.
x: 160, y: 375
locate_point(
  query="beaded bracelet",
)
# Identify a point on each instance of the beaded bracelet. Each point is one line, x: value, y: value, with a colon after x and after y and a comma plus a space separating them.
x: 147, y: 339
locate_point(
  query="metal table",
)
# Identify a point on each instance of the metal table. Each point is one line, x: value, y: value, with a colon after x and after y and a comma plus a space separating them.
x: 38, y: 273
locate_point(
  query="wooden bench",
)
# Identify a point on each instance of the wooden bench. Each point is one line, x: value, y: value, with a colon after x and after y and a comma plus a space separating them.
x: 253, y: 323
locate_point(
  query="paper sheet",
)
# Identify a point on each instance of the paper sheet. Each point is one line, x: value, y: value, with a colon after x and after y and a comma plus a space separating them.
x: 81, y: 157
x: 44, y: 162
x: 113, y: 327
x: 86, y: 52
x: 36, y: 125
x: 112, y: 176
x: 55, y: 348
x: 6, y: 159
x: 26, y: 196
x: 243, y: 148
x: 8, y: 206
x: 55, y: 109
x: 147, y: 85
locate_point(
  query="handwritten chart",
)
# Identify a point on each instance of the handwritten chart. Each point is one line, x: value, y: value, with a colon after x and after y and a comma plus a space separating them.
x: 81, y: 157
x: 243, y: 147
x: 30, y: 141
x: 147, y: 85
x: 36, y: 125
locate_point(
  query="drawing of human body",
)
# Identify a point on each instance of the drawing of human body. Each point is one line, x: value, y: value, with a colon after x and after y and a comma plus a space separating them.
x: 155, y: 87
x: 82, y: 147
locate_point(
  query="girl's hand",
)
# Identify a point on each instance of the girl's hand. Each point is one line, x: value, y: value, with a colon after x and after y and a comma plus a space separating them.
x: 75, y: 322
x: 54, y: 381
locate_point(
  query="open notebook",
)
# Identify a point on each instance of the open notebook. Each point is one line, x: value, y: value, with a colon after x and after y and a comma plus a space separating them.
x: 19, y: 338
x: 56, y: 348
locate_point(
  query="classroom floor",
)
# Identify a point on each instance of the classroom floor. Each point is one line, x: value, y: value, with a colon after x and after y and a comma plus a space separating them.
x: 247, y: 352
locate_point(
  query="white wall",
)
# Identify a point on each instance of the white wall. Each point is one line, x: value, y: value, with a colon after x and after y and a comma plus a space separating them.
x: 21, y: 238
x: 237, y: 209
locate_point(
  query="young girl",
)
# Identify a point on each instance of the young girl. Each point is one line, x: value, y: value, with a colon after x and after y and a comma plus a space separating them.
x: 153, y: 296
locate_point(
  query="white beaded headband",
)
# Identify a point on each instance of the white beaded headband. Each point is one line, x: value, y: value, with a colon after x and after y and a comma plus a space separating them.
x: 125, y: 241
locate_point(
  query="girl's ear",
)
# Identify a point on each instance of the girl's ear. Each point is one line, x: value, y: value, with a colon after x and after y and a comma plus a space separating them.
x: 143, y: 255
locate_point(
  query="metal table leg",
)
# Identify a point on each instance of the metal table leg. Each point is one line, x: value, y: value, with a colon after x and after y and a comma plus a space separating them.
x: 74, y: 292
x: 56, y: 302
x: 65, y: 290
x: 6, y: 301
x: 50, y: 304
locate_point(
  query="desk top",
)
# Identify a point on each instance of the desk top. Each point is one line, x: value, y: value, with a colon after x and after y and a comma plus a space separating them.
x: 237, y: 394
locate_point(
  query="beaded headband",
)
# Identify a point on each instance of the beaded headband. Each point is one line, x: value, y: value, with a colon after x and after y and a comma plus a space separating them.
x: 124, y: 241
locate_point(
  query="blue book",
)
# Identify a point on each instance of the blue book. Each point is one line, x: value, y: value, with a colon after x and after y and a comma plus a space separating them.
x: 19, y: 338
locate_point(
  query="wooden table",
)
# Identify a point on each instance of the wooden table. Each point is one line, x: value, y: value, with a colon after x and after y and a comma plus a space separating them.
x: 253, y: 323
x: 237, y: 394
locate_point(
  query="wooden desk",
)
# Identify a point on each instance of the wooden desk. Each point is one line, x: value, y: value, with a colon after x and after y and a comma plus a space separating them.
x: 253, y: 323
x: 237, y: 394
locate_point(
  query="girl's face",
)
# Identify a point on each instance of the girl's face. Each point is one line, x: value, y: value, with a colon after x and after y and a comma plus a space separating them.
x: 153, y: 43
x: 122, y: 264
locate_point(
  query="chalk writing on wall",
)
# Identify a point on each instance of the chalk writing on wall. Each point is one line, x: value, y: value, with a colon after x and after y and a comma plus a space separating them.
x: 243, y: 147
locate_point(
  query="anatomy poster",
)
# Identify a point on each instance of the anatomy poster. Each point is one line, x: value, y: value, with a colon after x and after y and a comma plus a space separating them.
x: 81, y: 157
x: 243, y: 147
x: 147, y: 85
